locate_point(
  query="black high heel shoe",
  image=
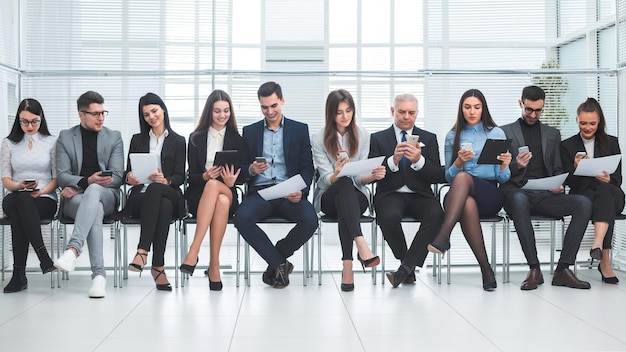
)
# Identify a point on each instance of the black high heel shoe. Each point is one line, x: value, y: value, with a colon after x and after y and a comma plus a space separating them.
x: 595, y: 253
x: 214, y: 285
x: 490, y: 285
x: 136, y: 267
x: 188, y: 269
x: 160, y: 287
x: 608, y: 280
x: 367, y: 263
x: 439, y: 249
x: 346, y: 287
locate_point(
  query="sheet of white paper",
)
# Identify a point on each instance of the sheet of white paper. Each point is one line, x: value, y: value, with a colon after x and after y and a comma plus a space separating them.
x: 595, y: 166
x: 293, y: 184
x: 361, y: 167
x: 546, y: 183
x: 143, y: 165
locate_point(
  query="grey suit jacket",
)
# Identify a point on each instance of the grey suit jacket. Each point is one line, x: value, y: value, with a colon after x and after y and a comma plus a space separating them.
x: 550, y: 146
x: 69, y: 152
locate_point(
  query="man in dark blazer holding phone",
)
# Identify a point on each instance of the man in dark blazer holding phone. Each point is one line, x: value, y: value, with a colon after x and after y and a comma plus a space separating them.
x: 407, y: 187
x: 542, y: 159
x: 286, y: 148
x: 83, y: 152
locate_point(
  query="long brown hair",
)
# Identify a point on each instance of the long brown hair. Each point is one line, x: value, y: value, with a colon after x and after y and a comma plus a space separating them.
x: 602, y: 139
x: 206, y: 119
x: 485, y: 118
x: 330, y: 127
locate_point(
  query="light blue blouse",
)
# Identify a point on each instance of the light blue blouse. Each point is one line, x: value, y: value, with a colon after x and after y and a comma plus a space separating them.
x: 476, y: 135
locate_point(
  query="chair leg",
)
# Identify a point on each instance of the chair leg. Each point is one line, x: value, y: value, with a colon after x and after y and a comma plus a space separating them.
x: 177, y: 254
x: 552, y: 244
x: 237, y: 271
x: 448, y: 271
x: 319, y: 256
x: 382, y: 260
x: 494, y: 261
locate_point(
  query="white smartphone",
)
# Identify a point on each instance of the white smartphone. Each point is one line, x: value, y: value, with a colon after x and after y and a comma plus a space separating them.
x: 467, y: 146
x: 413, y: 139
x: 523, y: 149
x: 581, y: 153
x: 342, y: 154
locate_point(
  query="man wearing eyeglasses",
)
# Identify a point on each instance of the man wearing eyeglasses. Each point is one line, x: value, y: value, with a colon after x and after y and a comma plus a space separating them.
x: 90, y: 165
x: 536, y: 154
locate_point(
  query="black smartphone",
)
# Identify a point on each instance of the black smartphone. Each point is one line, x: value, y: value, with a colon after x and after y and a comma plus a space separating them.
x: 105, y: 173
x: 259, y: 159
x: 30, y: 180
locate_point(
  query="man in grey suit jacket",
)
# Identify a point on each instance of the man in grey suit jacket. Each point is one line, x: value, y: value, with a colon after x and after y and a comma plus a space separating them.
x: 541, y: 159
x: 84, y: 152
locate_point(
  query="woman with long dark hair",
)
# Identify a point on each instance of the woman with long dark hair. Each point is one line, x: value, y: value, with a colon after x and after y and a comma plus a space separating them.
x: 212, y: 196
x: 28, y: 160
x: 474, y: 188
x: 604, y: 190
x: 159, y: 201
x: 340, y: 141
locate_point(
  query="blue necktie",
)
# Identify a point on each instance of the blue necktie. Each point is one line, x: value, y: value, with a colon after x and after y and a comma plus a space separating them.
x: 404, y: 162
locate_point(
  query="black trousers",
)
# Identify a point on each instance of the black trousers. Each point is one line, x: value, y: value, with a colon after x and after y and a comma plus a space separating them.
x: 156, y: 208
x: 608, y: 201
x: 25, y: 213
x: 389, y: 212
x: 346, y: 203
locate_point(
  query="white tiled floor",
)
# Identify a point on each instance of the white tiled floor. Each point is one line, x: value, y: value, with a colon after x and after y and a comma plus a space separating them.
x: 424, y: 316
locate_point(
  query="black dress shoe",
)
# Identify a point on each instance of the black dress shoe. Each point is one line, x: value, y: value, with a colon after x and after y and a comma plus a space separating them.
x: 399, y: 276
x: 533, y: 279
x: 411, y: 279
x: 282, y: 275
x: 347, y: 287
x: 567, y: 278
x: 608, y: 280
x: 596, y: 253
x: 269, y: 275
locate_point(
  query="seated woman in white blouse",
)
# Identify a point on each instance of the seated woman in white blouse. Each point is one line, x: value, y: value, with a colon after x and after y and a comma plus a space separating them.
x: 28, y: 163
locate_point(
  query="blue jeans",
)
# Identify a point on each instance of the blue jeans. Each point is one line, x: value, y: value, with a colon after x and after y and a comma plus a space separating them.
x: 254, y: 209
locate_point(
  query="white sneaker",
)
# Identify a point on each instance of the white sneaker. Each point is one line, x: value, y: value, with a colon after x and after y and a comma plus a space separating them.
x: 67, y: 261
x: 98, y: 285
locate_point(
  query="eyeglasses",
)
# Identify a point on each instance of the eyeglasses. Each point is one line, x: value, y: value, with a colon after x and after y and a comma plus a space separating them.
x: 33, y: 123
x: 96, y: 113
x: 531, y: 110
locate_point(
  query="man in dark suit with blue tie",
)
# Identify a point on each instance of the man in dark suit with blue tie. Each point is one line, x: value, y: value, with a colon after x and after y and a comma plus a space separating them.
x: 407, y: 187
x: 285, y: 146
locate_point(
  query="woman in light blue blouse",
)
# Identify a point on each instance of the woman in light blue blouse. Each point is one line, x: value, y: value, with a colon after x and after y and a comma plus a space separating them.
x: 474, y: 188
x: 28, y: 164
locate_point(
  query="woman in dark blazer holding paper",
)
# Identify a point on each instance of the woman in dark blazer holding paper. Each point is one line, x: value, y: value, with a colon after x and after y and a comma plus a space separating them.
x: 604, y: 190
x: 473, y: 187
x: 340, y: 141
x: 212, y: 196
x: 158, y: 202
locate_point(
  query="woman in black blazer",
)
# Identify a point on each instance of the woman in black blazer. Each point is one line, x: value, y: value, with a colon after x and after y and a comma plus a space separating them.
x: 156, y: 203
x: 211, y: 196
x: 604, y: 190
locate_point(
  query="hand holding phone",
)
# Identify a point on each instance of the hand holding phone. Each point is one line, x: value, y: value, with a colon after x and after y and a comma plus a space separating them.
x: 523, y: 149
x: 467, y: 146
x: 105, y: 173
x: 260, y: 159
x: 581, y: 153
x: 413, y: 139
x: 342, y: 154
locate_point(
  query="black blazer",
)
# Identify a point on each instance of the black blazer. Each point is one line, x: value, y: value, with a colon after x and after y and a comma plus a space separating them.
x: 384, y: 143
x: 296, y: 146
x: 197, y: 159
x: 579, y: 184
x: 172, y: 163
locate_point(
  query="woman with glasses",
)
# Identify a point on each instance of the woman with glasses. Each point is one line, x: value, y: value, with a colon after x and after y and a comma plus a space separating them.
x: 28, y: 160
x: 159, y: 200
x: 340, y: 141
x: 212, y: 197
x: 604, y: 190
x: 474, y: 188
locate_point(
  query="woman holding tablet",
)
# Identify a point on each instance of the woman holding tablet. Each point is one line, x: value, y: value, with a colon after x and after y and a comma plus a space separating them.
x: 29, y: 173
x: 474, y: 188
x: 157, y: 202
x: 211, y: 196
x: 604, y: 190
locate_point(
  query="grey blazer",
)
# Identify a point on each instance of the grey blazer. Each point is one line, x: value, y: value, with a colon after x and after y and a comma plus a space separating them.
x: 550, y: 145
x: 325, y: 164
x: 69, y: 152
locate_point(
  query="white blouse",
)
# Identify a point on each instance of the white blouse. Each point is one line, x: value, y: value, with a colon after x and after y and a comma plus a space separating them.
x: 20, y: 163
x: 214, y: 144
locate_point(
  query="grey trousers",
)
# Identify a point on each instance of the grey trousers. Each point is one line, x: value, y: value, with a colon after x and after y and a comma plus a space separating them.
x: 88, y: 209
